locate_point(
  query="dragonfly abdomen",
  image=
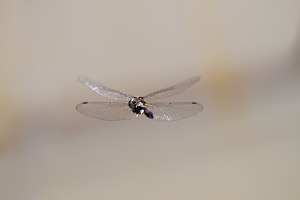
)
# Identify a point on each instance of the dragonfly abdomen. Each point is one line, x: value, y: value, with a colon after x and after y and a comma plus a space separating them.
x: 148, y: 113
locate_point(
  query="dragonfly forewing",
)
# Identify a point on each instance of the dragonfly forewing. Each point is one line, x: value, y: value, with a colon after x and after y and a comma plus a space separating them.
x: 173, y: 111
x: 172, y: 90
x: 110, y: 111
x: 103, y: 90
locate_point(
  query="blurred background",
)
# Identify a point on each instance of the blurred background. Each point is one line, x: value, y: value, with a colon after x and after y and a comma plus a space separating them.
x: 245, y: 144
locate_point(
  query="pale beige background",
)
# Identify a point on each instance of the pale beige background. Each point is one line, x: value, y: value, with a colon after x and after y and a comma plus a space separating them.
x: 245, y: 144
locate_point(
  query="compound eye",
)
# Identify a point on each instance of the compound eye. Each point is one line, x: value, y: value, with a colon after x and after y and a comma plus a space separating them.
x: 132, y: 103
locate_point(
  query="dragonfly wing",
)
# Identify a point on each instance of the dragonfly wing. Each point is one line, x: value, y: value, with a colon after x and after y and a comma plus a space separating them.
x: 172, y: 111
x: 105, y: 91
x: 111, y: 111
x: 172, y: 90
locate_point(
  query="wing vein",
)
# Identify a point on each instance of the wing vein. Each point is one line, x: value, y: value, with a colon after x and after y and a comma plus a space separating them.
x: 101, y: 89
x: 172, y: 90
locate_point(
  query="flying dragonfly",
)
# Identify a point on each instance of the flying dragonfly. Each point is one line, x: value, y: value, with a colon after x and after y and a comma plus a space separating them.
x: 128, y: 106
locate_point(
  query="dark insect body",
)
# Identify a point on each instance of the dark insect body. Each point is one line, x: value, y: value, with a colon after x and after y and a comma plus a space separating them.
x: 139, y: 106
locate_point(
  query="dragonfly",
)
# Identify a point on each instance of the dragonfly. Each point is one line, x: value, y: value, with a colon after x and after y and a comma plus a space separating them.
x: 128, y: 106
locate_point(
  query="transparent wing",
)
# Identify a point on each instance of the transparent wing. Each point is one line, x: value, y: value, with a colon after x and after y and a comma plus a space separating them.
x: 172, y: 90
x: 172, y: 111
x: 104, y: 91
x: 111, y: 111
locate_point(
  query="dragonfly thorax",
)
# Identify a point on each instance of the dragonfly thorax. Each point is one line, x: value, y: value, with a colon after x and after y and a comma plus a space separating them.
x: 138, y: 106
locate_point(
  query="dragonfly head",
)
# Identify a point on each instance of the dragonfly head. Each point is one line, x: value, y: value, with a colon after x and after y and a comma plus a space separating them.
x: 136, y: 101
x: 137, y: 105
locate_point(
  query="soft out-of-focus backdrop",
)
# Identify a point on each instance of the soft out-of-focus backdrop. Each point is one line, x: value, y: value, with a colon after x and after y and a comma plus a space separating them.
x: 244, y: 145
